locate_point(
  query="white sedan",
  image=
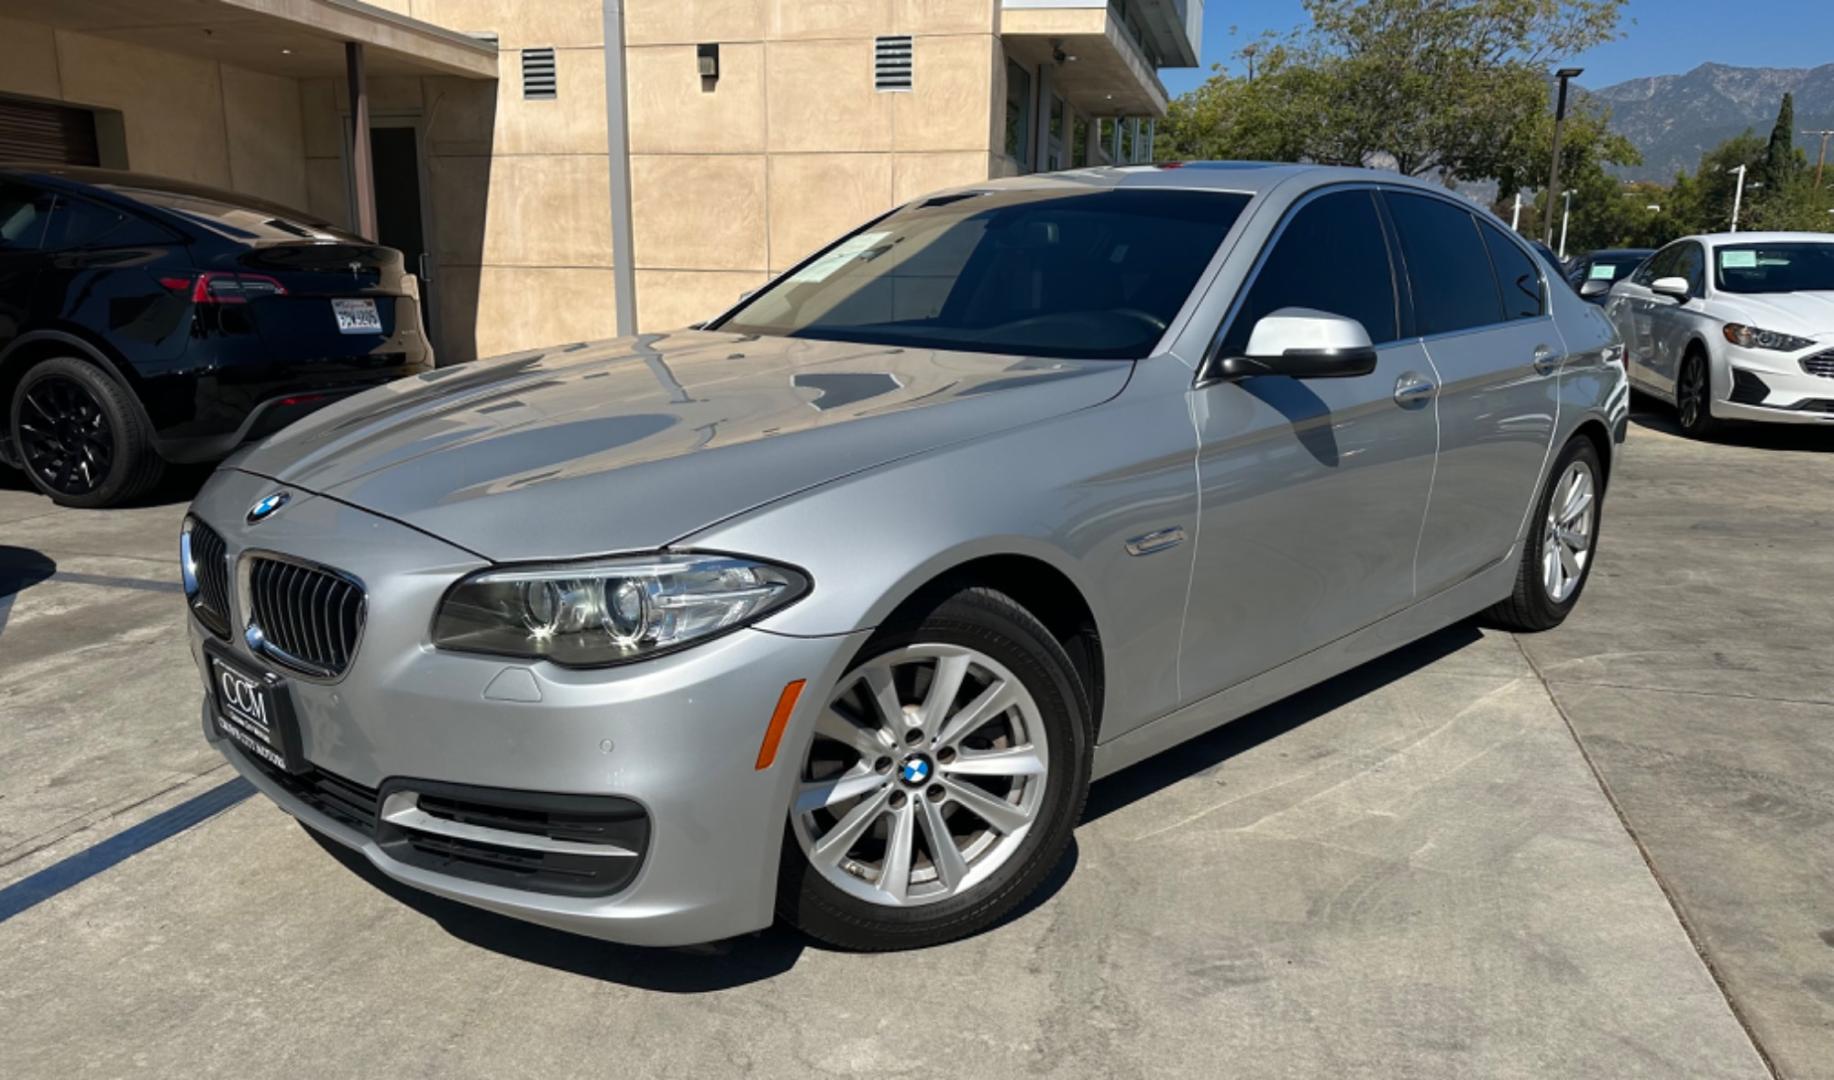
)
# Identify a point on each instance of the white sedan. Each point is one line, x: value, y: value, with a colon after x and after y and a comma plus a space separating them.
x: 1733, y: 326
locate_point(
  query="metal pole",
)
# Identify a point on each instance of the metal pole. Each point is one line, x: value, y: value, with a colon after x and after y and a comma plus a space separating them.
x: 1738, y: 196
x: 362, y: 169
x: 617, y: 151
x: 1566, y: 211
x: 1822, y: 158
x: 1515, y: 219
x: 1553, y: 175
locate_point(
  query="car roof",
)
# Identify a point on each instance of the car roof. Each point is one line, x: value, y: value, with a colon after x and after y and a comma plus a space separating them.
x: 1250, y: 177
x: 123, y: 184
x: 1720, y: 238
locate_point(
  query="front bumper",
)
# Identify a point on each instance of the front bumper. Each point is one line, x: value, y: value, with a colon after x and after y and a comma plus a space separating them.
x: 677, y: 736
x: 1772, y: 387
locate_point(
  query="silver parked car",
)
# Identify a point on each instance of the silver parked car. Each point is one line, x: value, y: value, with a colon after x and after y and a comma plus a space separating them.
x: 834, y: 607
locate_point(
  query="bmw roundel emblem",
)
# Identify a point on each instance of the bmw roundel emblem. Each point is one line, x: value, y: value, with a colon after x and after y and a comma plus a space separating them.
x: 915, y: 770
x: 268, y: 506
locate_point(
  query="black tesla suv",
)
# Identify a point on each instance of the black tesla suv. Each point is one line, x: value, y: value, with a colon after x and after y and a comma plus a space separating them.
x: 146, y: 321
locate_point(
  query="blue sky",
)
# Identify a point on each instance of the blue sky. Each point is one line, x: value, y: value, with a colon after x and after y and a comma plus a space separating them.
x: 1661, y: 36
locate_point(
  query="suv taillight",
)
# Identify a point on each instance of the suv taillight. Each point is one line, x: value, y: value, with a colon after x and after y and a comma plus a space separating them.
x: 219, y: 287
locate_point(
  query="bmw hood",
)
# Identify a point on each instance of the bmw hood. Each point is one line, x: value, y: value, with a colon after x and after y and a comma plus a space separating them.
x: 630, y: 444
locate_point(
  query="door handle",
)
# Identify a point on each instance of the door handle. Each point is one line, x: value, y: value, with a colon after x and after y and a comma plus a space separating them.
x: 1546, y: 360
x: 1412, y: 389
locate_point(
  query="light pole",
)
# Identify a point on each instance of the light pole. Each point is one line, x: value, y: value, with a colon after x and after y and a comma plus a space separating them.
x: 1553, y: 174
x: 1565, y: 211
x: 1515, y: 219
x: 1822, y: 158
x: 1738, y: 196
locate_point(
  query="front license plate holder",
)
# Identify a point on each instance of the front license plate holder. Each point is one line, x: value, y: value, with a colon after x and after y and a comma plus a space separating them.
x: 253, y: 708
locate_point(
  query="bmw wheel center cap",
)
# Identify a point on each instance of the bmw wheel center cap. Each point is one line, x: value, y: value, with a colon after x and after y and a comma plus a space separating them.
x: 916, y: 769
x: 268, y: 506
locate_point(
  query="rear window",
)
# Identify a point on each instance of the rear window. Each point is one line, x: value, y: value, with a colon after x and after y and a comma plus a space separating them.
x: 250, y: 220
x: 1042, y: 272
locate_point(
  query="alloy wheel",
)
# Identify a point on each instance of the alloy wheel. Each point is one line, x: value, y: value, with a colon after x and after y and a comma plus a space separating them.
x: 1691, y: 394
x: 1567, y: 540
x: 927, y: 771
x: 65, y: 436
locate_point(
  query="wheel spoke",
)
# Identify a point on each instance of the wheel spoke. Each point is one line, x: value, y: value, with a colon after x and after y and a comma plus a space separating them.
x: 884, y: 694
x: 1569, y: 566
x: 854, y: 782
x: 1018, y: 761
x: 950, y: 868
x: 895, y: 872
x: 847, y: 832
x: 944, y: 686
x: 1002, y: 816
x: 830, y: 724
x: 996, y: 699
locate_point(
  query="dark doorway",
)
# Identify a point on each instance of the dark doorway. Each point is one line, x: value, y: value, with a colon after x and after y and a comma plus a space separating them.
x: 400, y: 221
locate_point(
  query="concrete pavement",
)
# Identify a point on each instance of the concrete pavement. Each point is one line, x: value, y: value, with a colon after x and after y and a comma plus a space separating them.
x: 1412, y: 870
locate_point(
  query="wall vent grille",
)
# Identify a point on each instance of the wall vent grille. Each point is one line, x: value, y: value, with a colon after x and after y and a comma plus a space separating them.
x: 538, y: 81
x: 891, y: 63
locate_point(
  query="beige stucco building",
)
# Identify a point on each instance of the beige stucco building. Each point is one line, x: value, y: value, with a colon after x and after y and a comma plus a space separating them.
x: 756, y: 129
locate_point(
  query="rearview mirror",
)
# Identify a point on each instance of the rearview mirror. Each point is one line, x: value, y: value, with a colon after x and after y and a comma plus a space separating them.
x: 1675, y: 288
x: 1594, y: 287
x: 1303, y: 344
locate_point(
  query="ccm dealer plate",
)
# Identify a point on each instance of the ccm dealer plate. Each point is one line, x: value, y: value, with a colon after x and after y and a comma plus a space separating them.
x: 254, y: 711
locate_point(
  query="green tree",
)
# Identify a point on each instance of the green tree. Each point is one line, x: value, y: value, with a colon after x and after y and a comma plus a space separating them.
x: 1429, y: 87
x: 1780, y: 152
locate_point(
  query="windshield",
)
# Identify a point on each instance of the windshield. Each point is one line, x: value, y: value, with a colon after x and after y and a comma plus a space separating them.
x: 250, y: 219
x: 1804, y: 266
x: 1087, y: 274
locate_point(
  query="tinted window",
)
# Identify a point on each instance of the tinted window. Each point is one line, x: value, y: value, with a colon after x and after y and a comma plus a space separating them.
x: 249, y: 220
x: 1331, y: 256
x: 1516, y: 274
x: 1043, y: 272
x: 1660, y: 265
x: 1453, y: 286
x: 23, y: 213
x: 1803, y: 266
x: 78, y: 223
x: 1693, y: 266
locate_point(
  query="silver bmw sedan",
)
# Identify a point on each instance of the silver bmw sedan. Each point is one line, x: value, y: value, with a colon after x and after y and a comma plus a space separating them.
x: 833, y: 607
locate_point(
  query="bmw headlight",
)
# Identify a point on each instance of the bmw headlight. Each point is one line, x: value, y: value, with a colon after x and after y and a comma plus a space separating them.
x: 611, y: 611
x: 1751, y: 337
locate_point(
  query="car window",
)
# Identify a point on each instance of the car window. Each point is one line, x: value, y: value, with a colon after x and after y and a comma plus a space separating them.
x: 78, y: 223
x: 1792, y: 266
x: 252, y: 219
x: 1330, y: 256
x: 1691, y: 264
x: 1517, y: 275
x: 1660, y: 265
x: 23, y: 213
x: 1447, y: 266
x: 1042, y: 271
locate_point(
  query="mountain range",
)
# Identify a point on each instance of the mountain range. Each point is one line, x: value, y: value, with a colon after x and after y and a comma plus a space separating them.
x: 1673, y: 119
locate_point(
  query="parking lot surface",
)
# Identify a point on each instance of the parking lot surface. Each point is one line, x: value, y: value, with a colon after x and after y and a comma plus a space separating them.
x: 1605, y: 850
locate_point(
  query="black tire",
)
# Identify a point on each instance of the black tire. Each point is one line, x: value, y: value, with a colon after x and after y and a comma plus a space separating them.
x: 994, y: 624
x: 1694, y: 396
x: 114, y: 442
x: 1529, y: 606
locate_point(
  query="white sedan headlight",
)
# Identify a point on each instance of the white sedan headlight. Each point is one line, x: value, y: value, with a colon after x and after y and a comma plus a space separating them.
x: 1751, y: 337
x: 611, y: 611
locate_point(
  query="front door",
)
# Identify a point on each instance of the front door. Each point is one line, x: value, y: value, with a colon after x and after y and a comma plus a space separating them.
x: 1312, y: 491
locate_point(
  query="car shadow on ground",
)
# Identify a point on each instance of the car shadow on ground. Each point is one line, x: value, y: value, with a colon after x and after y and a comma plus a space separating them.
x: 755, y: 957
x: 1811, y: 437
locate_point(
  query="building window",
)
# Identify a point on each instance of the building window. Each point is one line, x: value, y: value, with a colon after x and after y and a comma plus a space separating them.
x: 1128, y: 126
x: 1079, y: 143
x: 1018, y: 114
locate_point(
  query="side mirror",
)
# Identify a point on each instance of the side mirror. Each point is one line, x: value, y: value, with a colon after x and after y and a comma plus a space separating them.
x: 1592, y: 288
x: 1675, y: 288
x: 1303, y: 344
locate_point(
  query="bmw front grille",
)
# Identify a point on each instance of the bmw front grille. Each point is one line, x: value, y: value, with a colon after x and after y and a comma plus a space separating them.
x: 307, y: 618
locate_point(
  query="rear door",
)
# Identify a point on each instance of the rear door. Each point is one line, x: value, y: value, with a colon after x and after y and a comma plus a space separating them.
x: 1481, y: 311
x: 1312, y: 491
x: 1632, y: 307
